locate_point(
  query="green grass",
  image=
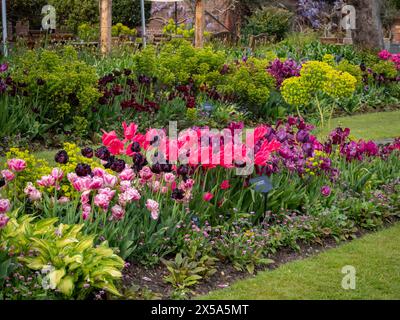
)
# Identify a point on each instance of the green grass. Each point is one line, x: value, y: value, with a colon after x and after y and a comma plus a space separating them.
x: 376, y: 258
x: 47, y: 155
x: 370, y: 126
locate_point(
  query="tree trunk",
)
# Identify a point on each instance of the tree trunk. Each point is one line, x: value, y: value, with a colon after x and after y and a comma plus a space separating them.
x: 368, y: 33
x: 105, y: 26
x: 199, y: 24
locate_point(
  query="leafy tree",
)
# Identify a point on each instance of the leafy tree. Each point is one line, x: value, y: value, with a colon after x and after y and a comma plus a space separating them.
x: 72, y: 13
x: 128, y: 12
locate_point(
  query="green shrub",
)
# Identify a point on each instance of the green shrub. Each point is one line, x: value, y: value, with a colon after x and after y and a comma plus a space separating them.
x: 71, y: 13
x: 354, y: 70
x: 88, y: 32
x: 178, y: 62
x: 273, y: 21
x: 68, y: 87
x: 249, y: 82
x: 121, y: 30
x: 386, y: 68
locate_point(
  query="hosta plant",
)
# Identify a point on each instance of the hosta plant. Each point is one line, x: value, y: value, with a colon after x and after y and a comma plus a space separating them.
x: 74, y: 267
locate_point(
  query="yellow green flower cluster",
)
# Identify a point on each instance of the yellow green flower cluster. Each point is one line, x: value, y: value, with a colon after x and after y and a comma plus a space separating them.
x: 35, y: 169
x: 317, y: 76
x: 248, y: 81
x: 313, y: 164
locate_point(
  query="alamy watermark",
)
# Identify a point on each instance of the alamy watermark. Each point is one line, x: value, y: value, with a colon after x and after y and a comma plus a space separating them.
x: 349, y: 280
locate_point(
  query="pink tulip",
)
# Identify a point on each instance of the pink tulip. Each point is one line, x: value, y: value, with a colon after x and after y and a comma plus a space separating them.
x: 85, y: 197
x: 110, y: 180
x: 4, y: 205
x: 72, y: 177
x: 116, y: 147
x: 108, y: 137
x: 32, y: 193
x: 225, y: 185
x: 164, y: 190
x: 124, y: 185
x: 155, y: 186
x: 46, y: 181
x: 57, y: 174
x: 82, y: 184
x: 208, y: 196
x: 98, y: 172
x: 118, y: 212
x: 169, y: 177
x: 129, y: 131
x: 86, y: 209
x: 130, y: 195
x: 187, y: 185
x: 96, y: 183
x: 3, y: 220
x: 146, y: 173
x: 8, y: 175
x: 127, y: 174
x: 63, y: 200
x: 108, y: 193
x: 102, y: 201
x: 154, y: 208
x: 16, y: 165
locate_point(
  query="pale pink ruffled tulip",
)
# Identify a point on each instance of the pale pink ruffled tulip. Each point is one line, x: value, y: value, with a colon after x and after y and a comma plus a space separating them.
x: 8, y: 175
x: 5, y: 205
x: 118, y: 212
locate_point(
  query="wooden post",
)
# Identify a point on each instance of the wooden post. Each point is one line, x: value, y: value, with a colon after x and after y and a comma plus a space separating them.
x: 199, y: 24
x: 105, y: 26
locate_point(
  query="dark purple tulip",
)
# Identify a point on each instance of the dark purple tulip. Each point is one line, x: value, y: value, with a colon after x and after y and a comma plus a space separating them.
x: 156, y: 168
x: 2, y: 182
x: 178, y: 194
x: 118, y: 165
x: 61, y: 157
x: 102, y: 153
x: 135, y: 147
x: 83, y: 170
x: 87, y: 152
x: 109, y: 163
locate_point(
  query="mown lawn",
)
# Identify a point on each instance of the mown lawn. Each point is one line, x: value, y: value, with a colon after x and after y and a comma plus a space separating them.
x: 370, y: 126
x: 376, y: 258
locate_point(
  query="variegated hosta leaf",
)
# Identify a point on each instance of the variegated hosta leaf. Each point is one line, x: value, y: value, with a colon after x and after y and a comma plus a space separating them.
x: 55, y: 277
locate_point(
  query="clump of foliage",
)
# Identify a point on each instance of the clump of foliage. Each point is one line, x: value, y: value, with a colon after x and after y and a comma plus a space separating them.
x: 248, y: 81
x: 273, y: 21
x: 60, y: 85
x: 185, y: 30
x: 178, y: 62
x: 74, y: 267
x: 315, y: 77
x: 71, y: 13
x: 120, y: 29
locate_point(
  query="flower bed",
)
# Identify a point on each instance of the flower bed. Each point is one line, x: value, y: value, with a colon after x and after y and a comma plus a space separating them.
x: 65, y: 95
x: 186, y: 200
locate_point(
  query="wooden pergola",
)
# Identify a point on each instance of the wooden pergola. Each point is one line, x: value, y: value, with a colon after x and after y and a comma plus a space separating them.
x: 106, y: 22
